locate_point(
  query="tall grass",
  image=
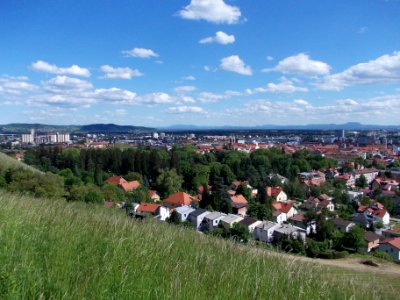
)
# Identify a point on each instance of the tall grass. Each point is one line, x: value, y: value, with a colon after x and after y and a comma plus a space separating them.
x: 54, y: 249
x: 7, y: 162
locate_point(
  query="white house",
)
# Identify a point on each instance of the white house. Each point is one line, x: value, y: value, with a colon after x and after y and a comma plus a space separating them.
x: 264, y: 231
x: 289, y: 230
x: 183, y: 212
x: 163, y: 213
x: 250, y: 223
x: 212, y: 220
x: 369, y: 174
x: 230, y: 219
x: 279, y: 216
x: 392, y: 247
x: 197, y: 217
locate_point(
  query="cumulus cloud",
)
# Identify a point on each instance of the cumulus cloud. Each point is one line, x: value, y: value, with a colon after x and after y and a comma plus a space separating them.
x: 384, y: 69
x: 140, y: 52
x: 189, y: 78
x: 15, y: 85
x: 119, y: 73
x: 185, y: 89
x: 42, y: 66
x: 185, y: 109
x: 284, y: 86
x: 214, y: 11
x: 301, y: 64
x: 220, y: 38
x: 234, y: 64
x: 65, y: 84
x: 301, y: 102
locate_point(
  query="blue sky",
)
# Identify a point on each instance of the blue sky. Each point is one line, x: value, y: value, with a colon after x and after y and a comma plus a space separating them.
x: 202, y: 62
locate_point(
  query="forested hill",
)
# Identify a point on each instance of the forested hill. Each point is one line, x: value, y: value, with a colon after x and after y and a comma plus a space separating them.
x: 19, y: 128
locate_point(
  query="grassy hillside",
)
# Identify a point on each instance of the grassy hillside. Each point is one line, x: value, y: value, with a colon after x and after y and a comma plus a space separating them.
x: 55, y: 249
x: 7, y: 162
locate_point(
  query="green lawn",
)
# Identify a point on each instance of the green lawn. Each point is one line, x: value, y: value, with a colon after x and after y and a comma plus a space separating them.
x: 54, y: 249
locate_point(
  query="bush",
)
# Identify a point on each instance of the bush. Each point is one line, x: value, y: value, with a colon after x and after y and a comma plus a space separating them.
x: 382, y: 255
x: 340, y: 254
x: 324, y: 255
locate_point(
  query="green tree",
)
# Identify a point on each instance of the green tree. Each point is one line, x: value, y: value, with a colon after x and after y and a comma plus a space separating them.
x: 362, y: 181
x: 168, y: 182
x: 354, y: 239
x: 239, y: 233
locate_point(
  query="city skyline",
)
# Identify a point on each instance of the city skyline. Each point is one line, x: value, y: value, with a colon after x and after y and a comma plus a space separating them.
x: 201, y: 62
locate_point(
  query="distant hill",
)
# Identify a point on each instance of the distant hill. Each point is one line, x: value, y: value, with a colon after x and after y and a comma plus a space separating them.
x: 112, y: 128
x: 345, y: 126
x: 20, y: 128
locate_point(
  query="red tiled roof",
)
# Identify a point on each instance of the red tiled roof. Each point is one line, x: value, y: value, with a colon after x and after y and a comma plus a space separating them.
x: 282, y: 206
x: 273, y: 191
x: 298, y: 218
x: 152, y: 193
x: 395, y: 242
x: 179, y: 199
x: 130, y: 186
x: 239, y: 199
x: 148, y: 207
x: 116, y: 180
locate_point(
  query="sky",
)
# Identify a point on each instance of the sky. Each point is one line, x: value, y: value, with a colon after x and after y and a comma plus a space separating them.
x: 201, y: 62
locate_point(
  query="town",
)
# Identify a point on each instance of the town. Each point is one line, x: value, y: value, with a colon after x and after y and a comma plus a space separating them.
x: 320, y: 194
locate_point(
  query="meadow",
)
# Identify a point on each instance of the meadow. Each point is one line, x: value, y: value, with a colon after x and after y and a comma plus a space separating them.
x: 52, y: 249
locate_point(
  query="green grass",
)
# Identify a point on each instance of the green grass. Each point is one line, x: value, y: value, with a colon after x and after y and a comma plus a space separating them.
x: 7, y: 162
x: 54, y: 249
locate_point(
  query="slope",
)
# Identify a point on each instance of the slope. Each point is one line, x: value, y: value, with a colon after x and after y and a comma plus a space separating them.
x: 55, y: 249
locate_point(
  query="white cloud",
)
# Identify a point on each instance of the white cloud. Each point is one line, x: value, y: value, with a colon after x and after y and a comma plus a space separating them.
x: 140, y: 52
x: 214, y: 11
x: 301, y: 102
x: 120, y: 73
x: 15, y: 85
x: 284, y: 86
x: 210, y: 97
x: 384, y: 69
x: 269, y: 58
x: 220, y: 38
x: 301, y: 64
x: 42, y: 66
x: 185, y: 89
x: 115, y: 95
x: 156, y: 98
x: 65, y: 84
x: 234, y: 64
x: 185, y: 109
x: 189, y: 78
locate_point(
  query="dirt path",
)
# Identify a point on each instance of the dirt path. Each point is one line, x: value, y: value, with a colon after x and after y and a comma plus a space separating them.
x: 355, y: 264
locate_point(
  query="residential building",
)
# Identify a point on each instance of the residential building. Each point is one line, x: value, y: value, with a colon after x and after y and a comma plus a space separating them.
x: 179, y: 199
x: 197, y: 217
x: 289, y: 230
x: 230, y: 219
x: 343, y: 225
x: 392, y: 247
x: 300, y: 221
x: 250, y: 223
x: 264, y: 231
x: 276, y: 192
x: 318, y: 203
x: 239, y: 205
x: 369, y: 174
x: 183, y: 212
x: 212, y: 220
x: 372, y: 240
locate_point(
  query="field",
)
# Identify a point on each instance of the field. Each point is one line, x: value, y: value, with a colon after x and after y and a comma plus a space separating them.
x: 54, y: 249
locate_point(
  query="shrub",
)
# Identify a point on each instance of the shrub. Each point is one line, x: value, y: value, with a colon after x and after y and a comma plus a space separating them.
x: 340, y: 254
x: 382, y: 255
